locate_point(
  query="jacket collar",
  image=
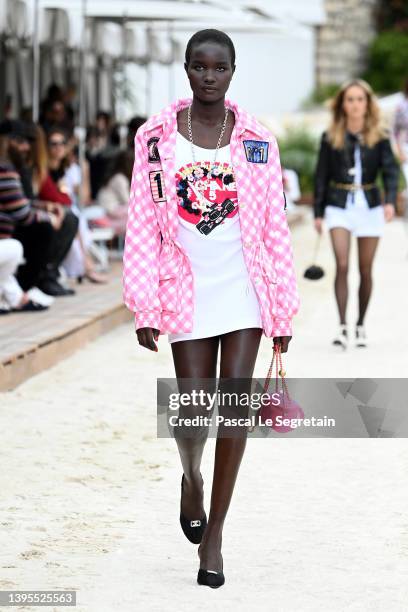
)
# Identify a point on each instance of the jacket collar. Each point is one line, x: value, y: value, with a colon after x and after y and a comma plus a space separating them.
x: 168, y: 117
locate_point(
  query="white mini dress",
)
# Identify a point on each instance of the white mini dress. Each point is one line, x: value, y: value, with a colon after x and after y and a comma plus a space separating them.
x: 209, y: 231
x: 357, y: 216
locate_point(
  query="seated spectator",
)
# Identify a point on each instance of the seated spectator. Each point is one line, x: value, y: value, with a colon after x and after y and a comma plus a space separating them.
x: 77, y: 178
x: 33, y: 228
x: 103, y: 123
x: 115, y: 190
x: 103, y: 145
x: 133, y: 125
x: 56, y: 188
x: 53, y: 187
x: 12, y: 297
x: 55, y: 110
x: 78, y: 262
x: 65, y: 223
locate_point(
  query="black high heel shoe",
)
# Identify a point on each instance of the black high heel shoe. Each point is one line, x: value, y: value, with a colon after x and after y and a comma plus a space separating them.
x: 211, y: 578
x: 193, y: 529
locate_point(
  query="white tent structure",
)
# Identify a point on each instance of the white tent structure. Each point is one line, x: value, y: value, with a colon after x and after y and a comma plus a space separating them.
x: 133, y: 50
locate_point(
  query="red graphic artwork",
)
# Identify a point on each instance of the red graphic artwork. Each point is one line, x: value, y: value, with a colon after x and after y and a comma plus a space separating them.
x: 207, y: 194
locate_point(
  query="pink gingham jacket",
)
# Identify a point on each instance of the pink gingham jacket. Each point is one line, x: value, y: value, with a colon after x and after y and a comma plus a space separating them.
x: 158, y: 282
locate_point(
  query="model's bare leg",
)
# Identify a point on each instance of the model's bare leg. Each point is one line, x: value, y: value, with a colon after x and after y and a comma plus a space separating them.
x: 366, y: 251
x: 239, y: 350
x: 194, y: 360
x: 340, y: 238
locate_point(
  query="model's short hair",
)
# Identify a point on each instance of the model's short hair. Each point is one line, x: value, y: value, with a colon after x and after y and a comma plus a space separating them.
x: 210, y: 35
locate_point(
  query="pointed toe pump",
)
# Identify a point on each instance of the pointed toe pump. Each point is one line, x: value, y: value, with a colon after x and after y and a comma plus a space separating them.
x: 193, y: 529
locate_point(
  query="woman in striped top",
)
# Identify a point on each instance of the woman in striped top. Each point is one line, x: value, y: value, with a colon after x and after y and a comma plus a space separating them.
x: 16, y: 211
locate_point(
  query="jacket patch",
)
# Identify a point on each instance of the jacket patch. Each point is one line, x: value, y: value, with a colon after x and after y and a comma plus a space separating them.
x: 256, y: 151
x: 153, y: 150
x: 157, y: 186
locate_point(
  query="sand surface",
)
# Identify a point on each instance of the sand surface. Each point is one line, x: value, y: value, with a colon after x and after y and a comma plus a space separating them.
x: 90, y: 497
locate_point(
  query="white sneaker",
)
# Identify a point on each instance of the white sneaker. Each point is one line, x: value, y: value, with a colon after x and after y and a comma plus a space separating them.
x: 40, y: 297
x: 361, y: 338
x: 342, y: 337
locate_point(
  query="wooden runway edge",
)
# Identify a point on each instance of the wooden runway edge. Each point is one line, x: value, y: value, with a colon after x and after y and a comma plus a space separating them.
x: 30, y: 362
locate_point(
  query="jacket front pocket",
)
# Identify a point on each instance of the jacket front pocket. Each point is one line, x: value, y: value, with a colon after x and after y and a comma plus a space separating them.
x: 170, y: 286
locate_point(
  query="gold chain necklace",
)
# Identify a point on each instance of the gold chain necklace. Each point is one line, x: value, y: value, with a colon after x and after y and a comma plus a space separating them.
x: 190, y: 135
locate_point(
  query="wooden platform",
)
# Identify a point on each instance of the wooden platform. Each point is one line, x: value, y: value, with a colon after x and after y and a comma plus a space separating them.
x: 32, y: 342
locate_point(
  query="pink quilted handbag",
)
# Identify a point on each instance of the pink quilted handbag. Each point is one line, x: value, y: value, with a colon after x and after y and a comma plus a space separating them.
x: 287, y: 408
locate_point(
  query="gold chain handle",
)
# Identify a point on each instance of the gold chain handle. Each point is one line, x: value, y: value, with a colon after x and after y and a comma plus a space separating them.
x: 279, y: 371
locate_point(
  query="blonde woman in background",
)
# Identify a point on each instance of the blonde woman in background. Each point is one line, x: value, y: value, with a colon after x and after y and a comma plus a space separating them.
x: 353, y: 152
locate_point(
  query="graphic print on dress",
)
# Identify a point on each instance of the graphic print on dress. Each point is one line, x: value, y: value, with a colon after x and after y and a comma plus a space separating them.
x: 207, y: 194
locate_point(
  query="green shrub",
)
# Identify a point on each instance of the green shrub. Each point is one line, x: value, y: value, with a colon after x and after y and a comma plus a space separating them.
x: 298, y: 151
x: 320, y: 95
x: 387, y: 62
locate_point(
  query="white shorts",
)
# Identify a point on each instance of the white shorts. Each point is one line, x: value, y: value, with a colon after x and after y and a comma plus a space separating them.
x: 360, y: 221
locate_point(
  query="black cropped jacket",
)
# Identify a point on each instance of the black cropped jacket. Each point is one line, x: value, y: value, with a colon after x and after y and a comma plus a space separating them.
x: 333, y: 166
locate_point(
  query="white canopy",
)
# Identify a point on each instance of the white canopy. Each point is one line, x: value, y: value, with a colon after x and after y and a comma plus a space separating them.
x: 239, y: 14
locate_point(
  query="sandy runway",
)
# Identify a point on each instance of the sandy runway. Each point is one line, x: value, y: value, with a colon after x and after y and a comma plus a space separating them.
x: 90, y: 497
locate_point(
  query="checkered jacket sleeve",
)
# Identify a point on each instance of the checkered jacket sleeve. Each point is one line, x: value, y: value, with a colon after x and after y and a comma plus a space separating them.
x: 142, y: 246
x: 277, y: 240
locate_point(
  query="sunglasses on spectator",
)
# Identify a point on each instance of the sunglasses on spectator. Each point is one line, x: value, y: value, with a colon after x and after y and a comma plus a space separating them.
x: 18, y: 138
x: 57, y: 143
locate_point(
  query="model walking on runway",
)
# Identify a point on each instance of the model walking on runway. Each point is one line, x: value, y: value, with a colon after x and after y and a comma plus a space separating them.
x: 353, y: 153
x: 208, y: 260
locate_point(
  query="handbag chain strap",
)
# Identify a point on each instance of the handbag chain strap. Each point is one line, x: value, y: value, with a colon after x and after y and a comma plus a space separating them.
x: 279, y: 372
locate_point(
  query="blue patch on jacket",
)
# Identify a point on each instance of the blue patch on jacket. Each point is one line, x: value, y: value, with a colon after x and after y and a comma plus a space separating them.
x: 256, y: 151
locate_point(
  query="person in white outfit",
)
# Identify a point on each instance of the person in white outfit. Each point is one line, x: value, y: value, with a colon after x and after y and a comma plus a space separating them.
x: 67, y: 177
x: 12, y: 297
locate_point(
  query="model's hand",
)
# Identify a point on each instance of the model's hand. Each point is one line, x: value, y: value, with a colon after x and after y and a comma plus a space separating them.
x: 318, y: 223
x: 147, y: 336
x: 283, y: 341
x: 389, y: 212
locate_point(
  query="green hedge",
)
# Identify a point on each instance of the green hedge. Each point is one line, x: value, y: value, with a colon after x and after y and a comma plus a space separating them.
x: 388, y: 62
x: 320, y: 94
x: 298, y: 151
